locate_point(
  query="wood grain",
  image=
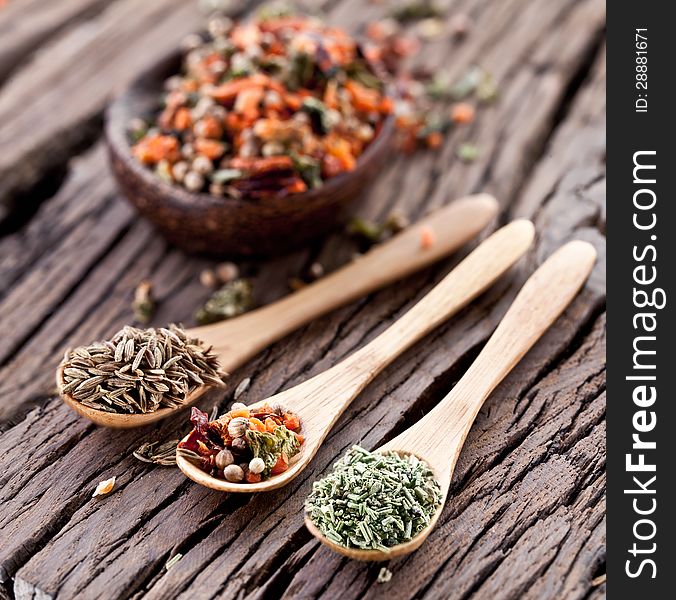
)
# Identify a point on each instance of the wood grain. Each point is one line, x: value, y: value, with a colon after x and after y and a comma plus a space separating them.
x: 526, y: 517
x: 26, y: 25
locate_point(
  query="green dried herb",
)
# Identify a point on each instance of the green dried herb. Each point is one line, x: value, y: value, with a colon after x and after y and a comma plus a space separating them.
x: 438, y: 88
x: 434, y: 123
x: 416, y: 10
x: 374, y: 501
x: 270, y: 446
x: 361, y: 73
x: 487, y: 90
x: 309, y: 169
x: 144, y: 303
x: 275, y: 10
x: 318, y: 114
x: 225, y: 175
x: 234, y: 298
x: 365, y: 229
x: 173, y: 560
x: 467, y: 84
x: 468, y: 152
x: 301, y: 70
x: 371, y: 233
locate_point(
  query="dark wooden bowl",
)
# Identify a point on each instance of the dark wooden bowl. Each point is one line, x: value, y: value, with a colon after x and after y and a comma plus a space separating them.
x: 226, y: 226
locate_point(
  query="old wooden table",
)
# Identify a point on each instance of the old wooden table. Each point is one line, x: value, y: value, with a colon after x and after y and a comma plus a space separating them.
x: 526, y: 511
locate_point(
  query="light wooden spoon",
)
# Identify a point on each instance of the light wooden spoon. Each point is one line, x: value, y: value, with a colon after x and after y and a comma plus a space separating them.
x: 237, y: 340
x: 319, y: 401
x: 439, y: 436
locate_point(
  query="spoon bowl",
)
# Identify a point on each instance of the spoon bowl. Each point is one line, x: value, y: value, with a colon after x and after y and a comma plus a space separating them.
x: 318, y: 402
x: 438, y: 437
x: 381, y: 555
x: 237, y: 340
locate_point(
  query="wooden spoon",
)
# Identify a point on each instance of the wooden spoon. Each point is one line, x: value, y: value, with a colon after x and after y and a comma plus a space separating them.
x: 439, y: 436
x: 237, y: 340
x: 319, y: 401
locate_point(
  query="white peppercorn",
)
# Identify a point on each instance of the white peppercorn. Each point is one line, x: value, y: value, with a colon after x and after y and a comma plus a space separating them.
x: 137, y: 125
x: 219, y: 26
x: 193, y: 181
x: 202, y: 107
x: 224, y: 458
x: 233, y: 473
x: 272, y: 148
x: 364, y: 132
x: 188, y: 150
x: 202, y: 165
x: 208, y: 279
x: 272, y: 98
x: 316, y: 270
x: 237, y: 427
x: 227, y: 271
x: 173, y: 83
x: 257, y: 465
x: 191, y: 41
x: 179, y: 170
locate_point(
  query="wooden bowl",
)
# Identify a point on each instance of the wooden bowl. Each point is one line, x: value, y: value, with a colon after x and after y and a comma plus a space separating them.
x: 199, y: 222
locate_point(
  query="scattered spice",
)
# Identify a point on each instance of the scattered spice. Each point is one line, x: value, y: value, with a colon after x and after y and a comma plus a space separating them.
x: 219, y: 275
x: 416, y: 10
x: 374, y: 501
x: 462, y: 112
x: 468, y: 152
x: 384, y: 575
x: 157, y: 453
x: 244, y: 445
x: 487, y: 90
x: 368, y: 233
x: 242, y: 387
x: 144, y: 304
x: 139, y: 370
x: 227, y: 272
x: 234, y: 298
x: 367, y: 230
x: 208, y: 278
x: 430, y: 29
x: 173, y: 560
x: 467, y: 84
x: 104, y: 488
x: 272, y: 106
x: 460, y: 25
x: 296, y: 283
x: 316, y: 270
x: 427, y: 238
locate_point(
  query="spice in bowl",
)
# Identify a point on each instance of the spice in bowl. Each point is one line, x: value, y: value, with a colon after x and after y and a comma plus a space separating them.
x: 244, y: 445
x: 139, y: 370
x: 374, y: 501
x: 265, y: 107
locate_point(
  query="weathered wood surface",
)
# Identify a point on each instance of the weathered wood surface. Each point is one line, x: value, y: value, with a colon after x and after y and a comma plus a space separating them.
x: 526, y: 511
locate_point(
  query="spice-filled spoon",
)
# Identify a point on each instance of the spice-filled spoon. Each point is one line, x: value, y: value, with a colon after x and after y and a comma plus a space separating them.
x: 237, y: 340
x: 318, y: 402
x: 436, y: 440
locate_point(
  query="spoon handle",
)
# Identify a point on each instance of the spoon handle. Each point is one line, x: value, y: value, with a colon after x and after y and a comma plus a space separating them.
x: 237, y: 340
x: 348, y: 378
x: 439, y: 435
x: 473, y: 275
